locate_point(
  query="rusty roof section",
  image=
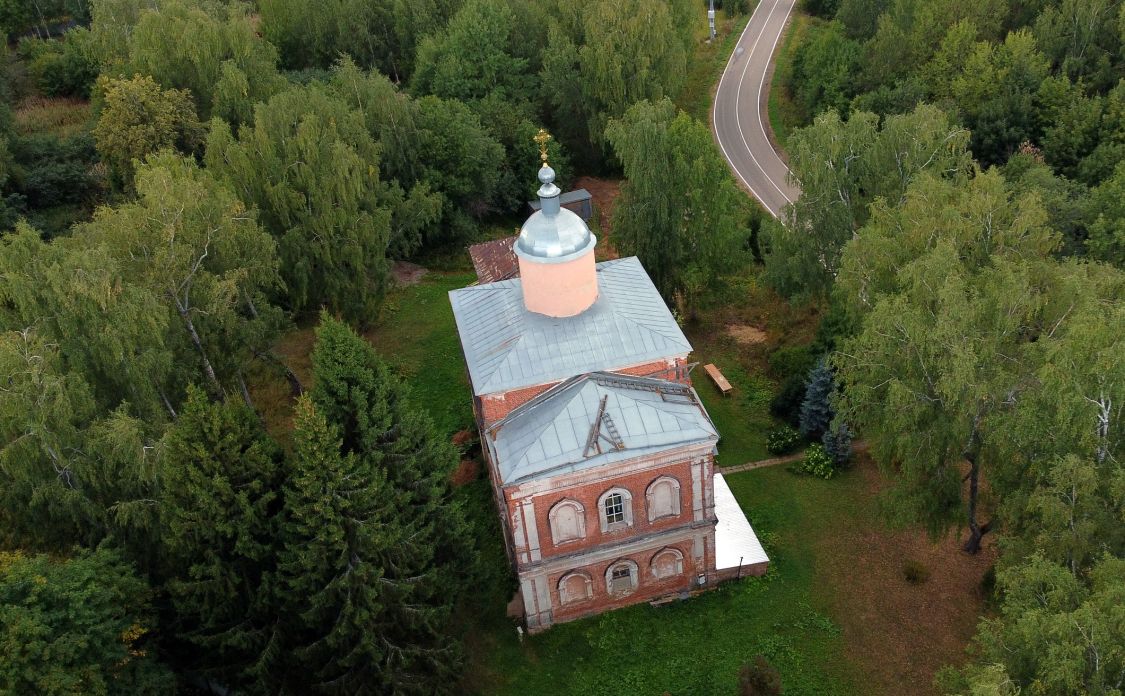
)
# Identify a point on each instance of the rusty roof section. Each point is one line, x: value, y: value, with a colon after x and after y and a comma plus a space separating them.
x: 495, y: 260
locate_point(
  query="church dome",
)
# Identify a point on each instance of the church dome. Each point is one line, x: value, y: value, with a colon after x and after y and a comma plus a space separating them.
x: 552, y: 233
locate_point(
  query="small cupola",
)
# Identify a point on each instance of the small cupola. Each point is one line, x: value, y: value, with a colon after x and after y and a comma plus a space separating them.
x: 555, y: 249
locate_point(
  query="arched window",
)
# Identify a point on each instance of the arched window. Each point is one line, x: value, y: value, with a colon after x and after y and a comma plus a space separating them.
x: 615, y: 508
x: 621, y: 577
x: 575, y: 587
x: 568, y: 521
x: 663, y: 497
x: 668, y: 562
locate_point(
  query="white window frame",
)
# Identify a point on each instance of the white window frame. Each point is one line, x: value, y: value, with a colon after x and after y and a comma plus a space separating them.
x: 634, y: 577
x: 626, y: 508
x: 588, y: 585
x: 667, y: 550
x: 650, y: 495
x: 580, y: 514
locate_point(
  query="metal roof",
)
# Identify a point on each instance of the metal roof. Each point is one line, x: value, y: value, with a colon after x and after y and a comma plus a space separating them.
x: 735, y: 541
x: 495, y: 260
x: 507, y: 347
x: 595, y: 419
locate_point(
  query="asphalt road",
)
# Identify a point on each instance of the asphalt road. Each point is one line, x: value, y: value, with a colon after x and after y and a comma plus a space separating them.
x: 739, y: 118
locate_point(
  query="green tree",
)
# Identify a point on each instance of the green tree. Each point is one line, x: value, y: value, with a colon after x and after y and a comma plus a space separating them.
x: 951, y: 286
x: 842, y: 167
x: 69, y: 472
x: 310, y: 167
x: 475, y: 56
x: 139, y: 119
x: 215, y: 54
x: 605, y: 56
x: 824, y: 71
x: 816, y: 408
x: 1107, y: 227
x: 996, y: 92
x: 190, y: 242
x: 1079, y: 38
x: 380, y: 34
x: 76, y: 626
x: 679, y: 210
x: 369, y: 473
x: 219, y: 514
x: 1057, y: 634
x: 109, y: 331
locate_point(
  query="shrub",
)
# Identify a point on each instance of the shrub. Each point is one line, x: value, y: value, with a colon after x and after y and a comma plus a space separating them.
x: 786, y: 406
x: 60, y: 68
x: 816, y: 463
x: 52, y: 172
x: 759, y: 678
x: 915, y: 573
x: 791, y: 360
x: 782, y: 440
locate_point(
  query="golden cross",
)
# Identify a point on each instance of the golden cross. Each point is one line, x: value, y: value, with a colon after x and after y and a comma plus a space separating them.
x: 542, y: 138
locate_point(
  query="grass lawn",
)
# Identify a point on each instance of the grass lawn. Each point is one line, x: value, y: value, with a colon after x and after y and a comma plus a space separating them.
x: 834, y: 614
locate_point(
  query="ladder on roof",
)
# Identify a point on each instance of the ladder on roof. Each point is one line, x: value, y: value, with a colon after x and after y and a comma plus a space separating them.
x: 593, y: 440
x: 664, y: 390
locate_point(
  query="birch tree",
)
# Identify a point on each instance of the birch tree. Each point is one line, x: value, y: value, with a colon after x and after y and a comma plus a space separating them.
x: 189, y: 241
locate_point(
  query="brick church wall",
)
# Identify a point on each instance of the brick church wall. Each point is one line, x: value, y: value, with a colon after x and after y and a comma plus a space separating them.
x: 587, y: 495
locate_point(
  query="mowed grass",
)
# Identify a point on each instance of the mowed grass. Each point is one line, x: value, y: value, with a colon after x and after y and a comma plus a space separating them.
x: 416, y: 334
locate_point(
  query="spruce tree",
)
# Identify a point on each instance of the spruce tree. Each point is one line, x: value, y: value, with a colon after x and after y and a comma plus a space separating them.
x: 816, y: 409
x: 837, y: 443
x: 219, y: 511
x: 374, y: 547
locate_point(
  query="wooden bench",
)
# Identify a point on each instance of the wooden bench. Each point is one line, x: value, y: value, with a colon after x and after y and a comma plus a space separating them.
x: 717, y: 377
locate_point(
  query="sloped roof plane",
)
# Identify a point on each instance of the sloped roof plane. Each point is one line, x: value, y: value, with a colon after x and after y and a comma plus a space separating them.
x: 552, y: 433
x: 507, y: 347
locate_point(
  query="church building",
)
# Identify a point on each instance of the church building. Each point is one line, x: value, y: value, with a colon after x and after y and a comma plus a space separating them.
x: 600, y: 452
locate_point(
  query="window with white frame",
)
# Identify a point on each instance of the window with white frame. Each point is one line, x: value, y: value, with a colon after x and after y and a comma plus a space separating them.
x: 663, y: 498
x: 615, y: 508
x: 621, y: 578
x: 568, y: 521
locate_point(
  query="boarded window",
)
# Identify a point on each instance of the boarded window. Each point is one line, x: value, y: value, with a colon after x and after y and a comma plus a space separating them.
x: 568, y: 522
x: 663, y: 498
x: 575, y: 587
x: 668, y: 563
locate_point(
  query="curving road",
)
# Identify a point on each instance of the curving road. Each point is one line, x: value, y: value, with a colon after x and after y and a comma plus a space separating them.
x: 739, y: 115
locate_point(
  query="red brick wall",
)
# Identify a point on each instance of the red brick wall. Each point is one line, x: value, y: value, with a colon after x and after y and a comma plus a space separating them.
x: 493, y: 407
x: 637, y: 485
x: 648, y: 587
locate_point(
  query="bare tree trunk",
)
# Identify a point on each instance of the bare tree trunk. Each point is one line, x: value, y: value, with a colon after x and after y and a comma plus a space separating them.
x: 976, y: 529
x: 295, y: 386
x: 245, y: 391
x: 207, y: 369
x: 167, y: 403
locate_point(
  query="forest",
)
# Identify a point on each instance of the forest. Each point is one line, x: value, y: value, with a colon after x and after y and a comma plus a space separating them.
x: 185, y: 182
